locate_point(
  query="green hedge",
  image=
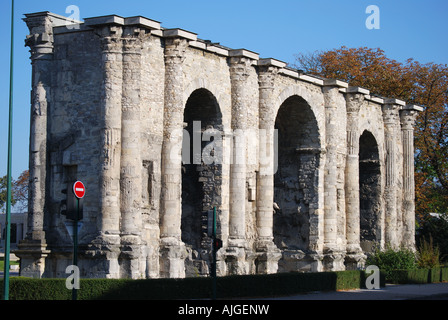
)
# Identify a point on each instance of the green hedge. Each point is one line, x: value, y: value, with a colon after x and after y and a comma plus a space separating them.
x: 444, y: 274
x: 201, y: 288
x: 408, y: 276
x: 418, y: 276
x: 434, y: 275
x: 189, y: 288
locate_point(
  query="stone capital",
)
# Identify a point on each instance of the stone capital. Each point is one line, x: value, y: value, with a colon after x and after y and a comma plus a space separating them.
x: 408, y: 116
x: 330, y: 96
x: 175, y: 48
x: 354, y: 102
x: 239, y: 64
x: 391, y: 112
x: 132, y: 44
x: 111, y: 40
x: 266, y: 77
x: 40, y: 40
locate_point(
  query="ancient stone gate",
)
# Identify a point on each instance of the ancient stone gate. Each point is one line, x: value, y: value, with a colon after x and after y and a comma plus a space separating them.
x: 307, y: 174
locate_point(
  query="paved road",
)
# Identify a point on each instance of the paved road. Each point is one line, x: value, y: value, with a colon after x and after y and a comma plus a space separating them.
x: 11, y: 274
x: 434, y: 291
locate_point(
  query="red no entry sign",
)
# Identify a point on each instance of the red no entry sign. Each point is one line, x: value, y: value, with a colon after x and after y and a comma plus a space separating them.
x: 79, y: 190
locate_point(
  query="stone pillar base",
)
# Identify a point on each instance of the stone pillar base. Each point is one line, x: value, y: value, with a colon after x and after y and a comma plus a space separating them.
x: 32, y: 254
x: 333, y: 260
x: 172, y: 258
x: 235, y: 257
x: 132, y: 259
x: 101, y: 255
x: 355, y: 261
x: 152, y: 269
x: 298, y: 260
x: 354, y: 257
x: 267, y: 257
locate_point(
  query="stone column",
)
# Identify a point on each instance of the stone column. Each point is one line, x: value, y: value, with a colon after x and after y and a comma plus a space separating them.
x: 391, y: 134
x: 407, y: 118
x: 354, y: 256
x: 333, y: 256
x: 107, y: 244
x: 240, y: 62
x: 173, y: 251
x: 131, y: 162
x: 268, y: 253
x: 32, y: 251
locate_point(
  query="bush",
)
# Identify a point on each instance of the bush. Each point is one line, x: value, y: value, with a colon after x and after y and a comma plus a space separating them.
x: 437, y: 229
x: 390, y: 259
x: 428, y: 254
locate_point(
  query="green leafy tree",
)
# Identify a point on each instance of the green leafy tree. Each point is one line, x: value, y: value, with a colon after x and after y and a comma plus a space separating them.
x: 3, y: 193
x: 19, y: 191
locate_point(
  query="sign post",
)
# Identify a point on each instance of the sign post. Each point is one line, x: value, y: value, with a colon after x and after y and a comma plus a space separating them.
x: 9, y: 168
x: 79, y: 190
x: 214, y: 255
x: 216, y: 245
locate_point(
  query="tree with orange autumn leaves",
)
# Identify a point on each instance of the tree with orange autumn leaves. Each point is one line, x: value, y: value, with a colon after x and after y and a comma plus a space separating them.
x: 425, y: 85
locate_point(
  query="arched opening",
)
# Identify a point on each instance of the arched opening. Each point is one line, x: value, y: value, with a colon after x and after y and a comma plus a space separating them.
x: 369, y: 191
x: 201, y: 176
x: 295, y: 181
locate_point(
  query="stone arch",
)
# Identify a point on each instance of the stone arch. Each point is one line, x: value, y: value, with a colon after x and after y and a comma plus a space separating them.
x: 201, y: 175
x: 370, y: 191
x: 296, y: 180
x: 314, y: 100
x: 223, y: 100
x: 376, y: 130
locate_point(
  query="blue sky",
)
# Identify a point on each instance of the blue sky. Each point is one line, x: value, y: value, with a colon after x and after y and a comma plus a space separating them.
x: 277, y: 29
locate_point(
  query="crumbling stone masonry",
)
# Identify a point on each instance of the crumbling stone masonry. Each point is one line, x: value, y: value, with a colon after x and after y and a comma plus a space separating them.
x: 308, y: 174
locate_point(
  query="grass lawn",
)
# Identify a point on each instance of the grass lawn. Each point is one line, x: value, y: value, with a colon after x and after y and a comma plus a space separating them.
x: 2, y: 263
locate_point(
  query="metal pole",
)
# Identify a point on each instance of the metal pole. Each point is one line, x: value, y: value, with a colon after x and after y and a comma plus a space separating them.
x: 9, y: 177
x: 75, y: 246
x: 214, y: 255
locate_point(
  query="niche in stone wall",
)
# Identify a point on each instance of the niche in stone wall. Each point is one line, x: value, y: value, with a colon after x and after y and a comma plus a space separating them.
x: 201, y: 176
x: 296, y: 176
x: 369, y: 191
x: 147, y: 184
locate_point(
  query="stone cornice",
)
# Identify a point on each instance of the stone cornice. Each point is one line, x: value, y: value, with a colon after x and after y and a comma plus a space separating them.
x: 180, y: 33
x: 271, y: 62
x: 393, y: 101
x: 244, y: 53
x: 59, y: 24
x: 335, y: 83
x: 142, y: 22
x: 358, y: 90
x: 375, y: 99
x: 412, y: 107
x: 104, y: 20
